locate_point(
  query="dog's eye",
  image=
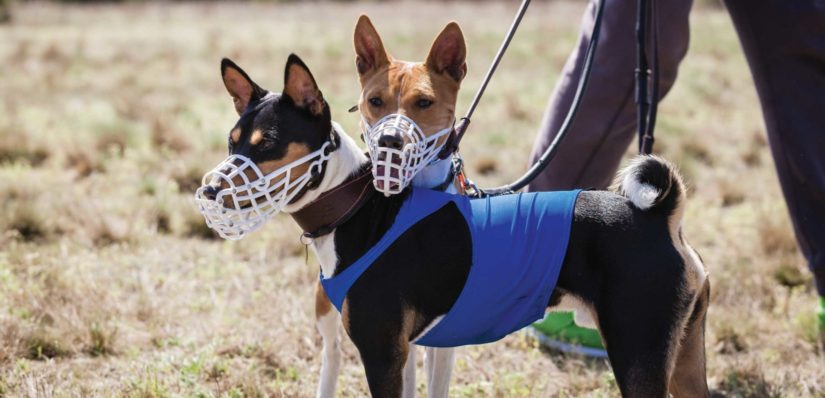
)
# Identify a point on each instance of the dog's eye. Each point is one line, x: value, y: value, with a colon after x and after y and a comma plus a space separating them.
x: 375, y: 101
x: 423, y: 103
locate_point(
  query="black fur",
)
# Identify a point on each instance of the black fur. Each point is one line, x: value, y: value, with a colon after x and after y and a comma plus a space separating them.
x: 622, y: 261
x: 423, y: 271
x: 281, y: 121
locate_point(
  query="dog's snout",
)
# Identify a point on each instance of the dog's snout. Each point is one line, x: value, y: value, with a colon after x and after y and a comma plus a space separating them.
x: 390, y: 141
x: 211, y: 192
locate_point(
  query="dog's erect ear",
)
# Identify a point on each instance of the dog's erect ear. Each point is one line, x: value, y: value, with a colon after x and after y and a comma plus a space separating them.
x: 300, y: 86
x: 448, y: 52
x: 369, y: 50
x: 242, y: 89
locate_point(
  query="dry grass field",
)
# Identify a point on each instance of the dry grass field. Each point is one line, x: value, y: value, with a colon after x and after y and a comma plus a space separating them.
x: 110, y: 284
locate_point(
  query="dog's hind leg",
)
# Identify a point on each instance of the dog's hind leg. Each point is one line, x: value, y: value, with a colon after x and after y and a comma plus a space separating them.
x: 327, y: 320
x: 640, y: 369
x: 639, y: 366
x: 642, y: 317
x: 689, y: 377
x: 439, y: 367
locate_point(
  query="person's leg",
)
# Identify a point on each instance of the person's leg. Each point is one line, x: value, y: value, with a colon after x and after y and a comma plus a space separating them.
x: 606, y: 122
x: 784, y: 42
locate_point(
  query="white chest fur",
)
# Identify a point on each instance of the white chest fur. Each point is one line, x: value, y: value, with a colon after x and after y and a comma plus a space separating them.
x: 324, y: 248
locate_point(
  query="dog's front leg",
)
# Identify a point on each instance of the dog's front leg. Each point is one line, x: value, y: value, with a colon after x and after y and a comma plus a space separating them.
x: 409, y: 375
x: 439, y: 367
x: 327, y: 320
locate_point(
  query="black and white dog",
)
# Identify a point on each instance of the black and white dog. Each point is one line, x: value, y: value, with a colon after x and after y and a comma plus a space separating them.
x: 626, y: 263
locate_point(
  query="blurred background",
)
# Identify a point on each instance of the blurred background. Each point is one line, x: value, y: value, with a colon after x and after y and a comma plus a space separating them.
x: 111, y: 284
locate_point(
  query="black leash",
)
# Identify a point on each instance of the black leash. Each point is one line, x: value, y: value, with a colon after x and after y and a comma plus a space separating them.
x: 461, y: 127
x: 646, y: 103
x: 551, y: 150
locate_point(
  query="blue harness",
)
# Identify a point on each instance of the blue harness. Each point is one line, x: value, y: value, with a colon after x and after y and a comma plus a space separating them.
x: 519, y: 242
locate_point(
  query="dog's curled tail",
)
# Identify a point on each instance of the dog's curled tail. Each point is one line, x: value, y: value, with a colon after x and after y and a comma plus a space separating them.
x: 652, y: 184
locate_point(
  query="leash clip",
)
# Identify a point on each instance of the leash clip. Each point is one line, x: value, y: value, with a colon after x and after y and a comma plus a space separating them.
x: 467, y: 185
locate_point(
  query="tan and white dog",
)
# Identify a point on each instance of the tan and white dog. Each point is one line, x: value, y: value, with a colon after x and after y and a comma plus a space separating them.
x: 390, y: 86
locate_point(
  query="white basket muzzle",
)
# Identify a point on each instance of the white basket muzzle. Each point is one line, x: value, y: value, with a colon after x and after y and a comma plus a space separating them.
x: 246, y: 198
x: 393, y: 169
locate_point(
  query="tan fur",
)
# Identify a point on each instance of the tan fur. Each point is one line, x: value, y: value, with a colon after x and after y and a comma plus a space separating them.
x: 682, y: 355
x: 686, y: 365
x: 235, y: 135
x: 345, y: 315
x: 322, y: 304
x: 448, y: 52
x: 400, y: 84
x: 408, y: 353
x: 585, y: 314
x: 688, y: 378
x: 294, y: 152
x: 256, y: 137
x: 369, y: 49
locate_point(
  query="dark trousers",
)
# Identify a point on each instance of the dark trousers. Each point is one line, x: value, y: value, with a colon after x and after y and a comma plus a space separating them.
x: 784, y: 42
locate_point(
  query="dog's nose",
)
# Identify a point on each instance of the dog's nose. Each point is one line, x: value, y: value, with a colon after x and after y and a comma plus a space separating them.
x: 211, y: 192
x: 390, y: 141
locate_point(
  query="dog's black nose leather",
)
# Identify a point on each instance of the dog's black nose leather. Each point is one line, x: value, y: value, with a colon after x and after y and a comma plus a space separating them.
x: 211, y: 192
x: 390, y: 141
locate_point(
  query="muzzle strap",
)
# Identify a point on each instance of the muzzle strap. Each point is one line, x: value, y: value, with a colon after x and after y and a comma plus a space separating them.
x: 316, y: 176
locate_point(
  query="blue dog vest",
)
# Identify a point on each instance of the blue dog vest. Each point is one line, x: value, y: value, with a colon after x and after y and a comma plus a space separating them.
x: 518, y: 243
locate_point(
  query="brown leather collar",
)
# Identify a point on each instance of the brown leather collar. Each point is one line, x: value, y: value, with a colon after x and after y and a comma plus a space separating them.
x: 334, y: 207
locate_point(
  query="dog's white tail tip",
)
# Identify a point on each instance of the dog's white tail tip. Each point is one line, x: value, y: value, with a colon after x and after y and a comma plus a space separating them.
x: 642, y: 195
x: 651, y: 183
